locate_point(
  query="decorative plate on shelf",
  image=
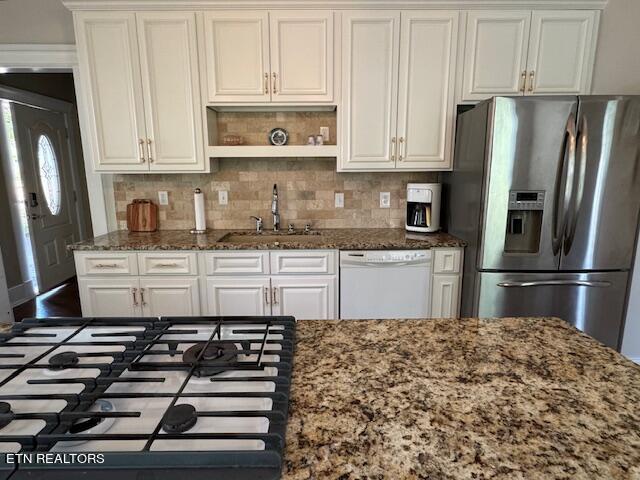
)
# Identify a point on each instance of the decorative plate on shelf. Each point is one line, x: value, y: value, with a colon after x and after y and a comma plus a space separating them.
x: 278, y: 136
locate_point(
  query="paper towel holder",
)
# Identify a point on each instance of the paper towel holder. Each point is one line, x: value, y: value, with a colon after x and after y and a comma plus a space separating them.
x: 195, y: 231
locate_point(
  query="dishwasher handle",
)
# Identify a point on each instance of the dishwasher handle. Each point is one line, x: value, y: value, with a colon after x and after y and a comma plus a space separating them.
x: 399, y: 263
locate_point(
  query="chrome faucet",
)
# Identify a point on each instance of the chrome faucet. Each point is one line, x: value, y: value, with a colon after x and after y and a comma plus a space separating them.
x: 258, y: 223
x: 274, y: 209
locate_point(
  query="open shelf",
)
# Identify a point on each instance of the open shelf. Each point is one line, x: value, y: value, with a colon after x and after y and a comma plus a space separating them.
x: 243, y: 151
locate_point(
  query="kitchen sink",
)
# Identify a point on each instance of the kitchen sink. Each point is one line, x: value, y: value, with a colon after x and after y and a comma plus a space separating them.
x: 244, y: 237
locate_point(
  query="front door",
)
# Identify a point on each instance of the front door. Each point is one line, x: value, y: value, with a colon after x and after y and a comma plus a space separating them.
x: 43, y: 147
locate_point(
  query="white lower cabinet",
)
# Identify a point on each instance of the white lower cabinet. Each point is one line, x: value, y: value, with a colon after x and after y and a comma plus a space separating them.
x: 238, y: 295
x: 109, y: 297
x: 176, y: 296
x: 310, y: 297
x: 445, y: 296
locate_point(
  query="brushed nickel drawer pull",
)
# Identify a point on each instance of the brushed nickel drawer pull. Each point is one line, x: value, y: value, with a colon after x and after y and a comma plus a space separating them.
x: 275, y: 88
x: 167, y: 265
x: 400, y: 148
x: 135, y: 300
x: 531, y: 75
x: 523, y: 76
x: 266, y: 83
x: 141, y: 144
x: 274, y: 292
x: 393, y: 148
x: 149, y: 150
x: 106, y: 265
x: 142, y: 297
x: 266, y: 295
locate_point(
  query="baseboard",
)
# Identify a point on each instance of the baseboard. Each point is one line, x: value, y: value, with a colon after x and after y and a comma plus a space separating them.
x: 21, y: 293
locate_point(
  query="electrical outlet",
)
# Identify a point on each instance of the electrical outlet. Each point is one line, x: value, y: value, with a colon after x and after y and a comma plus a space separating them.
x: 385, y: 200
x: 223, y: 197
x: 339, y: 200
x: 324, y: 131
x: 163, y: 198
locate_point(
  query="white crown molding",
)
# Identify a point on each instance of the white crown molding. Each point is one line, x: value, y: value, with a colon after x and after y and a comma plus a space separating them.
x: 49, y: 56
x: 329, y: 4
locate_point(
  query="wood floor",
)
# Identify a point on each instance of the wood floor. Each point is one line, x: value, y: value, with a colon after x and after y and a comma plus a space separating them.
x: 62, y: 301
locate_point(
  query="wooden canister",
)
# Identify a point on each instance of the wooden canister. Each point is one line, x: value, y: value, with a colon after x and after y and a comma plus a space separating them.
x: 142, y: 216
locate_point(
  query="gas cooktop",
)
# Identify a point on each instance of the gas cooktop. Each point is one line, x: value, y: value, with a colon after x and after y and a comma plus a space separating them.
x: 145, y: 398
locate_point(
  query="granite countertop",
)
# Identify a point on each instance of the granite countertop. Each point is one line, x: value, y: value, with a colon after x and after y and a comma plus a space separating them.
x: 342, y: 239
x: 517, y: 398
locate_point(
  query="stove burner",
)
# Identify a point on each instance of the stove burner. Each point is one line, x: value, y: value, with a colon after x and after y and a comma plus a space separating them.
x: 179, y: 418
x: 63, y: 360
x: 5, y: 408
x: 214, y: 352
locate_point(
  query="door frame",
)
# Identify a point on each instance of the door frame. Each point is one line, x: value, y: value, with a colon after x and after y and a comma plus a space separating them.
x: 58, y: 58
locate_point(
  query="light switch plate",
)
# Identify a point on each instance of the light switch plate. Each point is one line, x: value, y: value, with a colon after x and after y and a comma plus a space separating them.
x: 339, y: 200
x: 324, y: 131
x: 223, y: 197
x: 163, y: 197
x: 385, y: 200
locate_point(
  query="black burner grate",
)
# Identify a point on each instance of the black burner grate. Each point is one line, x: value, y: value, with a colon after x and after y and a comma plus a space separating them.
x: 214, y: 355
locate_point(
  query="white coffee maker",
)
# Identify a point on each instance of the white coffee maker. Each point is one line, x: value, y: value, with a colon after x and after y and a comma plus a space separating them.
x: 423, y: 207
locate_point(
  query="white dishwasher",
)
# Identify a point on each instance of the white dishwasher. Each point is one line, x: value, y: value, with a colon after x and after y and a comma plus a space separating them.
x: 385, y: 284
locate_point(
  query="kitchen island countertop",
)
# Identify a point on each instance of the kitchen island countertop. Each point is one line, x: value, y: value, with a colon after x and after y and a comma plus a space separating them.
x: 342, y: 239
x: 517, y: 398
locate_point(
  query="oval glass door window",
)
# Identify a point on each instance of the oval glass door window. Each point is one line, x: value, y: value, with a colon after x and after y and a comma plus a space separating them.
x: 49, y: 174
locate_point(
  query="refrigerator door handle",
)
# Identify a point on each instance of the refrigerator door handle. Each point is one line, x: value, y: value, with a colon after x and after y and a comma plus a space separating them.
x: 545, y: 283
x: 582, y: 143
x: 561, y: 205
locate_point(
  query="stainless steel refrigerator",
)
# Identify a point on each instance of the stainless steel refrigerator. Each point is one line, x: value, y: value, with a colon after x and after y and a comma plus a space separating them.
x: 546, y: 190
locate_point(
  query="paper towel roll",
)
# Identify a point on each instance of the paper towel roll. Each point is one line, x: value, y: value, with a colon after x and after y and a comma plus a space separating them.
x: 198, y: 202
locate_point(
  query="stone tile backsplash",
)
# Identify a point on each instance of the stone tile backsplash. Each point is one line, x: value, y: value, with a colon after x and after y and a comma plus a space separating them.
x: 306, y: 189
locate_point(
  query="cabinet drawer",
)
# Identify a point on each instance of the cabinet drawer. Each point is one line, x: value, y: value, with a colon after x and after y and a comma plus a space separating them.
x: 303, y: 262
x: 103, y: 264
x: 446, y: 260
x: 228, y: 263
x: 167, y: 263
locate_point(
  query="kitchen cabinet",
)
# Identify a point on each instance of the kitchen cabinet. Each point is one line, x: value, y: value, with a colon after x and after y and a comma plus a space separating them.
x: 176, y: 296
x: 109, y: 297
x: 446, y: 284
x: 301, y: 283
x: 528, y: 53
x: 140, y: 73
x: 261, y: 56
x: 406, y: 61
x: 239, y: 296
x: 305, y: 297
x: 112, y: 285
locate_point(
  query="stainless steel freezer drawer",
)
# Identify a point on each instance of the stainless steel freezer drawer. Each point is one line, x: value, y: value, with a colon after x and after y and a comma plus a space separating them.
x: 592, y: 302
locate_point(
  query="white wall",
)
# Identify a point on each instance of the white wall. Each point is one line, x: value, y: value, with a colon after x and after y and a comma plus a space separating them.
x: 35, y: 21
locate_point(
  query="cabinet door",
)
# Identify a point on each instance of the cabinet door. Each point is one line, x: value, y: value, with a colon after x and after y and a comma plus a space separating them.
x: 561, y: 52
x: 109, y: 297
x: 445, y: 297
x: 110, y: 74
x: 304, y: 297
x: 164, y: 296
x: 237, y: 56
x: 238, y: 296
x: 495, y: 58
x: 301, y: 55
x: 370, y: 42
x: 169, y: 59
x: 428, y: 45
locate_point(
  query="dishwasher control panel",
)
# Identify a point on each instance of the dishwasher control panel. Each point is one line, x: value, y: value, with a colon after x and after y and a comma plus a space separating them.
x: 386, y: 256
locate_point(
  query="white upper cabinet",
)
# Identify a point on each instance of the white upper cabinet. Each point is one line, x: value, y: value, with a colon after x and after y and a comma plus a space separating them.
x: 398, y: 76
x: 495, y: 53
x: 301, y: 56
x: 140, y: 71
x: 428, y: 42
x: 370, y: 52
x: 528, y: 53
x: 110, y: 68
x: 236, y: 56
x: 169, y: 60
x: 260, y: 56
x: 561, y: 52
